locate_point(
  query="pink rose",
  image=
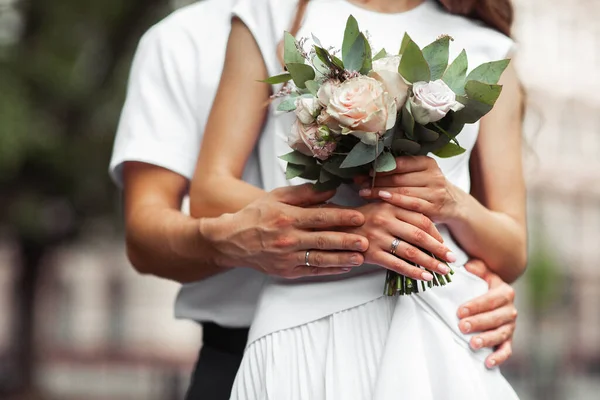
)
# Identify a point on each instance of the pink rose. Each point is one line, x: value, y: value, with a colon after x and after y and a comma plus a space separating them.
x: 431, y: 101
x: 307, y: 140
x: 361, y: 104
x: 385, y: 70
x: 326, y: 91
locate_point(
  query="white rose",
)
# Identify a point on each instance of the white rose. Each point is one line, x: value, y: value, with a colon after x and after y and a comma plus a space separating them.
x: 307, y: 109
x: 431, y: 101
x: 385, y: 70
x: 326, y: 91
x: 361, y: 104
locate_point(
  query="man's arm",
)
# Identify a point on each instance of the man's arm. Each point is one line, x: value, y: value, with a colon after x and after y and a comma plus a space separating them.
x: 162, y: 241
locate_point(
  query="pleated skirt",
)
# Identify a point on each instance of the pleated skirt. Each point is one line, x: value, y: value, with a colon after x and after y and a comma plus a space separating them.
x: 390, y: 348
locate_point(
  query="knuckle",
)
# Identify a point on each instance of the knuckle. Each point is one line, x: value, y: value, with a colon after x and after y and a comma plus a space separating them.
x: 404, y: 191
x: 321, y: 242
x: 379, y: 220
x: 315, y: 271
x: 284, y: 242
x: 419, y: 236
x: 411, y: 252
x: 425, y: 223
x: 510, y: 294
x: 320, y: 218
x: 283, y: 220
x: 319, y: 260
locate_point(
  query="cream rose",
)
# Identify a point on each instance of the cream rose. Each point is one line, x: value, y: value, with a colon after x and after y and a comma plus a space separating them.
x: 431, y: 101
x: 361, y: 104
x: 307, y: 140
x: 326, y: 91
x: 385, y: 70
x: 307, y: 108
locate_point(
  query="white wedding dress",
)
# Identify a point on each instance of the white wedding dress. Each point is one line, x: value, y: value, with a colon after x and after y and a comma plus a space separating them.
x: 339, y: 338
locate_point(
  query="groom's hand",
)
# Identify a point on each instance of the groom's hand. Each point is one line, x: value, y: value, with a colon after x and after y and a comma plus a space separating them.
x: 493, y: 314
x: 274, y: 233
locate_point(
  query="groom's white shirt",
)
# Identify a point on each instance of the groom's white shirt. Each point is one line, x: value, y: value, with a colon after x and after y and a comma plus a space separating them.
x: 173, y: 81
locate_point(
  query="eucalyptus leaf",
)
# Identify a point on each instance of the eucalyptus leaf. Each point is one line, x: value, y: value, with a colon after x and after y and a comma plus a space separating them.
x: 481, y: 98
x: 313, y: 87
x: 436, y: 54
x: 295, y: 157
x: 311, y: 172
x: 293, y: 171
x: 337, y: 62
x: 385, y: 162
x: 449, y: 150
x: 333, y: 167
x: 382, y: 53
x: 456, y: 73
x: 350, y: 34
x: 408, y: 121
x: 301, y: 73
x: 288, y: 104
x: 355, y: 58
x: 291, y: 54
x: 388, y: 137
x: 316, y: 40
x: 324, y: 176
x: 321, y: 68
x: 423, y: 134
x: 489, y: 73
x: 331, y: 184
x: 405, y: 146
x: 368, y: 63
x: 274, y: 80
x: 361, y: 154
x: 413, y: 66
x: 405, y: 40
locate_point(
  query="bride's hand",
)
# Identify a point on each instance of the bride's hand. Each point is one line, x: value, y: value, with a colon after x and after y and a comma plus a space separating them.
x: 384, y: 223
x: 416, y: 184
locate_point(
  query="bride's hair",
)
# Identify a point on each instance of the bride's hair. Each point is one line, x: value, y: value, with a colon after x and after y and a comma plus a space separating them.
x: 497, y: 14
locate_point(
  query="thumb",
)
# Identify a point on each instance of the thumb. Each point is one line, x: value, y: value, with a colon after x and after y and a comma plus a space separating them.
x: 478, y: 268
x: 302, y: 195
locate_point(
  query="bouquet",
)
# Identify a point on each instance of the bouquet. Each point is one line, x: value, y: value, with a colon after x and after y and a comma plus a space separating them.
x: 356, y: 112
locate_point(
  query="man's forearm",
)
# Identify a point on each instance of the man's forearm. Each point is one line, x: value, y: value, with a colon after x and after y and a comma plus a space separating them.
x: 168, y: 244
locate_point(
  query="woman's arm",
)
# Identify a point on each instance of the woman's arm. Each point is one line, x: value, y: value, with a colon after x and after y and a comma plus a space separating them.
x: 233, y: 128
x: 493, y: 226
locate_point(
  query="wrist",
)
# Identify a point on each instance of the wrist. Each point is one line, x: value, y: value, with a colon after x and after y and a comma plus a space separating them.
x: 210, y: 231
x: 458, y: 212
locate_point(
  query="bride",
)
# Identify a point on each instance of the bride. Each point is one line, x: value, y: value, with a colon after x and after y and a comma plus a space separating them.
x: 337, y: 337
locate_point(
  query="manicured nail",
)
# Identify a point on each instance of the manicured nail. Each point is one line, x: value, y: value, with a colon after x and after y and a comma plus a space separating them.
x: 365, y: 192
x: 385, y: 195
x: 491, y: 363
x: 477, y: 343
x: 451, y: 257
x: 464, y: 312
x: 443, y: 269
x: 427, y: 276
x: 467, y: 327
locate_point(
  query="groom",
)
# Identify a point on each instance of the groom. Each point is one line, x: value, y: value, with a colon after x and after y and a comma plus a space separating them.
x: 173, y: 81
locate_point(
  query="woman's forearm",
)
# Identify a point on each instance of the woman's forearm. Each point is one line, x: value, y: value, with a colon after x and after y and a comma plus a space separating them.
x: 496, y: 238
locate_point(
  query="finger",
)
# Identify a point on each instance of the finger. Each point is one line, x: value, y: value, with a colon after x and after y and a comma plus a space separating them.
x: 500, y: 356
x: 488, y: 320
x: 406, y: 164
x: 492, y: 338
x: 408, y: 252
x: 417, y: 201
x: 301, y: 195
x: 329, y: 259
x: 419, y: 238
x: 394, y: 263
x: 324, y: 240
x: 420, y: 221
x: 302, y: 271
x: 492, y: 299
x: 477, y: 268
x: 410, y: 179
x: 325, y: 218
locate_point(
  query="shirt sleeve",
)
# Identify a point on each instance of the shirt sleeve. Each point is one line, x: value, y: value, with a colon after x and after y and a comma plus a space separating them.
x: 159, y: 123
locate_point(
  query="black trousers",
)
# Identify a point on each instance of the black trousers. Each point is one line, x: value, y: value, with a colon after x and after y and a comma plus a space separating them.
x: 218, y: 362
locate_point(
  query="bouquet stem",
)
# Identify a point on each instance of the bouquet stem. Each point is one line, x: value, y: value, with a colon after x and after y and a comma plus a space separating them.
x: 400, y: 285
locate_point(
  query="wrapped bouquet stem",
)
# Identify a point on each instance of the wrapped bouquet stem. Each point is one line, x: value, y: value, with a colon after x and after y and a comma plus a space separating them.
x: 357, y: 111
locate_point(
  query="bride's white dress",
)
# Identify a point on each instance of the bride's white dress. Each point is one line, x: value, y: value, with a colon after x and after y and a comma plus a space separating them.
x: 339, y: 338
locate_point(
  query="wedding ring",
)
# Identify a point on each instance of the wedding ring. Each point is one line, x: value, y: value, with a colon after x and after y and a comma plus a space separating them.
x: 395, y: 245
x: 306, y: 258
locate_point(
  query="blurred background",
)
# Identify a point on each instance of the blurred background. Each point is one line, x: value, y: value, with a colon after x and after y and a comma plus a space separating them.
x: 77, y: 323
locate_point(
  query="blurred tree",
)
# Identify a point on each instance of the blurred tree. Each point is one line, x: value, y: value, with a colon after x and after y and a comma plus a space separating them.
x: 62, y: 80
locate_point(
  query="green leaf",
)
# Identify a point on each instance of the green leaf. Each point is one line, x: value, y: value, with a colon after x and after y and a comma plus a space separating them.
x: 291, y: 54
x: 385, y: 162
x: 405, y: 146
x: 333, y: 167
x: 337, y: 62
x: 489, y: 73
x: 382, y: 53
x: 368, y: 63
x: 350, y: 35
x: 361, y: 154
x: 324, y: 176
x: 313, y: 87
x: 449, y: 150
x: 295, y: 157
x: 328, y: 59
x: 405, y: 40
x: 481, y: 98
x: 331, y: 184
x: 424, y: 134
x: 408, y: 121
x: 456, y: 73
x: 316, y: 40
x: 436, y: 55
x: 355, y: 59
x: 293, y: 171
x: 321, y: 68
x: 413, y: 66
x: 288, y: 104
x: 311, y: 172
x: 274, y: 80
x: 301, y: 73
